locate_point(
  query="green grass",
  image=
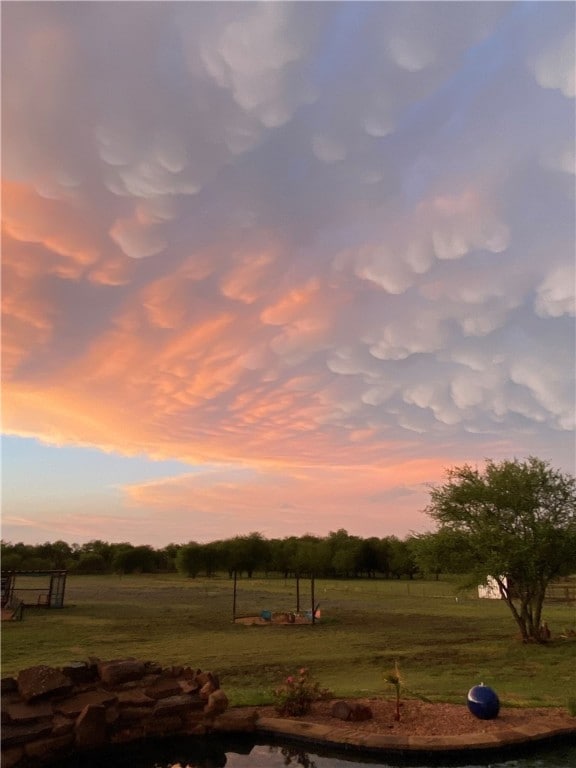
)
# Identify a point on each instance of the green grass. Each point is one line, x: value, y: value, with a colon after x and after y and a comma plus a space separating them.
x: 443, y: 645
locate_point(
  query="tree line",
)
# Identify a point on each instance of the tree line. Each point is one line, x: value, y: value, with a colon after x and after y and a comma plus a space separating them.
x: 338, y: 555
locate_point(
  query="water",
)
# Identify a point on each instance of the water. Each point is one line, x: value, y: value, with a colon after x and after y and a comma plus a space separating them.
x: 274, y: 757
x: 242, y: 752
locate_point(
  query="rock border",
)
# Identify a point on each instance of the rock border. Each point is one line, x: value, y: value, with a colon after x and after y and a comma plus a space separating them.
x: 50, y: 713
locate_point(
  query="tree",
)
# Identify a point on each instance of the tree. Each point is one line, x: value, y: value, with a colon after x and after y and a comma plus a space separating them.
x: 369, y: 556
x: 312, y: 556
x: 344, y: 553
x: 212, y: 557
x: 103, y: 548
x: 444, y: 551
x: 384, y: 552
x: 401, y: 561
x: 519, y: 521
x: 246, y: 553
x: 282, y: 555
x: 189, y: 559
x: 91, y: 562
x: 58, y: 553
x: 167, y: 557
x: 129, y: 559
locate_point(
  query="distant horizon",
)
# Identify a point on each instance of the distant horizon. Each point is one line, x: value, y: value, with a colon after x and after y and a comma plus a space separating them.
x: 202, y: 543
x: 276, y: 267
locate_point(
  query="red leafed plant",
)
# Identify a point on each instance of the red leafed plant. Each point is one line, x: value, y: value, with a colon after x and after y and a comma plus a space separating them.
x: 295, y: 695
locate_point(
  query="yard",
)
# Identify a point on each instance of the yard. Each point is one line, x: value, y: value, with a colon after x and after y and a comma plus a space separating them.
x: 444, y: 641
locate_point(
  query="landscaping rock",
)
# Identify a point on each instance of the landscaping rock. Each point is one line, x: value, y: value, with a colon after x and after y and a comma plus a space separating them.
x: 112, y: 714
x: 207, y: 689
x: 8, y: 685
x: 44, y: 750
x: 80, y: 672
x: 207, y: 677
x: 189, y: 673
x: 20, y: 734
x: 162, y: 726
x: 217, y: 703
x: 153, y: 668
x: 361, y: 712
x: 61, y: 725
x: 354, y: 712
x: 177, y: 705
x: 189, y: 686
x: 162, y: 688
x: 90, y: 727
x: 20, y: 712
x: 135, y: 698
x: 116, y: 672
x: 236, y: 721
x: 41, y: 680
x: 133, y: 714
x: 71, y: 707
x: 341, y: 710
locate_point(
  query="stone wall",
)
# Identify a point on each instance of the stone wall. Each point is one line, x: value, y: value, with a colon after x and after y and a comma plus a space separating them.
x: 49, y: 713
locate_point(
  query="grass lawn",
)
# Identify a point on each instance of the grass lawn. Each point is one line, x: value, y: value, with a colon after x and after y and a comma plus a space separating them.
x: 443, y: 645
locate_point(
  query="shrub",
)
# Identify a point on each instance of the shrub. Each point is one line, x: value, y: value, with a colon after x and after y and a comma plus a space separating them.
x: 297, y: 692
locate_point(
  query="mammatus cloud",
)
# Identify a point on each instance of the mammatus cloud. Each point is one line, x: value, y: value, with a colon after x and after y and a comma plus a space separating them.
x: 553, y: 66
x: 302, y: 240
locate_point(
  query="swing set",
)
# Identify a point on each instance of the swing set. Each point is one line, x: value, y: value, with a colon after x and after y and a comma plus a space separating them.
x: 267, y: 616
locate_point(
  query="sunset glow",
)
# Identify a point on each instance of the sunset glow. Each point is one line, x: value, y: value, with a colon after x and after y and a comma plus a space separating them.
x: 275, y: 266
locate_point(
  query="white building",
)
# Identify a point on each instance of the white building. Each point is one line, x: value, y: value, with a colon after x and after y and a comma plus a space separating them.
x: 490, y: 589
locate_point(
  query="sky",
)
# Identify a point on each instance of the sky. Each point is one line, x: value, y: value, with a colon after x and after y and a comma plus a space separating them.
x: 277, y: 266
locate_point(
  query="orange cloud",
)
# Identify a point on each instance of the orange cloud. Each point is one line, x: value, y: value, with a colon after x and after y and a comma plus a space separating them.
x: 73, y: 245
x: 27, y: 314
x: 33, y: 219
x: 174, y: 371
x: 291, y: 306
x: 250, y: 276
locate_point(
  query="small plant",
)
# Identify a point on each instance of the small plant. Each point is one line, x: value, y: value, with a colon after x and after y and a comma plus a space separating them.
x: 393, y: 678
x: 296, y: 694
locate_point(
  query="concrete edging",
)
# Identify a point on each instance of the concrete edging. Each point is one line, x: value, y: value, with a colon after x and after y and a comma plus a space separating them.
x: 348, y: 738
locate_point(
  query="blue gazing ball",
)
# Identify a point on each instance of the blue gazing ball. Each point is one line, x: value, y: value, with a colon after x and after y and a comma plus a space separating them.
x: 483, y: 702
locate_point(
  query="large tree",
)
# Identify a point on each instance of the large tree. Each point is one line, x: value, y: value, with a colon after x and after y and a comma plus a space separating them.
x: 519, y: 520
x: 444, y: 551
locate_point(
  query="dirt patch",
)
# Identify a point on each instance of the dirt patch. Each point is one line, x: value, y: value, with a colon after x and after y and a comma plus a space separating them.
x: 419, y: 718
x: 284, y: 619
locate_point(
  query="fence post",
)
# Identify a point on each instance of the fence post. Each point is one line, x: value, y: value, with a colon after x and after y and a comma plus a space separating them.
x: 234, y: 599
x: 313, y: 601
